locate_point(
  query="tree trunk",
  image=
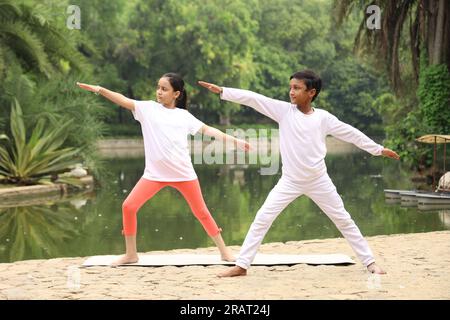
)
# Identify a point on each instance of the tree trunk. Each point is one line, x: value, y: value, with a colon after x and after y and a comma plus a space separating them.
x: 446, y: 42
x: 415, y: 44
x: 395, y: 66
x: 430, y: 11
x: 438, y: 39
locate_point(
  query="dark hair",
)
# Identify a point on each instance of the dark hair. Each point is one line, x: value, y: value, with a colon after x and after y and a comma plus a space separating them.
x: 177, y: 84
x: 311, y: 80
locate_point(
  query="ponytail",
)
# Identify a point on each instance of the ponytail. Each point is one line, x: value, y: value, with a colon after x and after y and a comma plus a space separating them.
x: 181, y: 101
x: 177, y: 84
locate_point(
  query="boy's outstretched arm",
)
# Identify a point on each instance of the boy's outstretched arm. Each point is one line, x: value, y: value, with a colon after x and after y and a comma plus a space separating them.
x: 272, y: 108
x: 211, y: 87
x: 115, y: 97
x: 390, y: 154
x: 347, y: 133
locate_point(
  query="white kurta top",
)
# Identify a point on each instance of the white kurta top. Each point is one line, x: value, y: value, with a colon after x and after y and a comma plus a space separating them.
x: 302, y: 137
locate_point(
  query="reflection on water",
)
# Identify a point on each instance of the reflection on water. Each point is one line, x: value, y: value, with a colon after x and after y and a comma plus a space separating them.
x: 36, y: 231
x: 91, y: 224
x: 444, y: 215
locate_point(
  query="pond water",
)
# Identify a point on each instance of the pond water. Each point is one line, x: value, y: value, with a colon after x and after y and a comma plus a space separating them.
x: 90, y: 224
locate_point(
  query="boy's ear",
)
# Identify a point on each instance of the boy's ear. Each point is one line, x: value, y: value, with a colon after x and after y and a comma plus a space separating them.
x: 312, y: 92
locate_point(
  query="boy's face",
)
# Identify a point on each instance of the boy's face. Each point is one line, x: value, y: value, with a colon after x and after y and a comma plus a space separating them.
x: 299, y: 94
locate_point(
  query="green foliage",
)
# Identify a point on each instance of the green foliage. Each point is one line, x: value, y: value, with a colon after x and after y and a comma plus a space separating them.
x: 61, y: 101
x: 350, y: 94
x: 128, y: 45
x: 402, y: 135
x: 434, y: 97
x: 285, y: 46
x: 199, y: 40
x: 400, y: 50
x: 403, y: 123
x: 28, y: 160
x: 42, y: 58
x: 30, y: 38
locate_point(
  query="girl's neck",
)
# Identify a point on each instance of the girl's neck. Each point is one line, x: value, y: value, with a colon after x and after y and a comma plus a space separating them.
x: 171, y: 106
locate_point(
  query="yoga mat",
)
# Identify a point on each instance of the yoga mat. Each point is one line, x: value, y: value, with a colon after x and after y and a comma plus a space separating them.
x: 158, y: 260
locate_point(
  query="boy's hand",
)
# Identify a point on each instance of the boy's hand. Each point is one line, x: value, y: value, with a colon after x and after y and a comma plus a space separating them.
x: 88, y: 87
x: 390, y: 154
x: 243, y: 145
x: 210, y: 86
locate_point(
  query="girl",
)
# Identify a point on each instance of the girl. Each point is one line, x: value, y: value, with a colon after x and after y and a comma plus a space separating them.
x: 165, y: 125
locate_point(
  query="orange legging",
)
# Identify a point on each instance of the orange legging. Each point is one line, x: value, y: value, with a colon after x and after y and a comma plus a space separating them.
x: 145, y: 189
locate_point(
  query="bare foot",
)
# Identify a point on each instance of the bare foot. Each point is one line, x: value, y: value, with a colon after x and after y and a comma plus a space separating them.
x: 228, y: 256
x: 125, y: 259
x: 233, y: 272
x: 374, y: 268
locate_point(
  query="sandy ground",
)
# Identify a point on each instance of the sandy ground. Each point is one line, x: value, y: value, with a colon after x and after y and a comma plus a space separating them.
x: 417, y: 266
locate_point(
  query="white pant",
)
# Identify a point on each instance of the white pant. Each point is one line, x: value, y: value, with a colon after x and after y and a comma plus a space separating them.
x: 323, y: 192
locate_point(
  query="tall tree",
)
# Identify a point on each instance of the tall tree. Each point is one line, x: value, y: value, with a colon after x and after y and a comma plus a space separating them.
x: 199, y: 40
x: 428, y: 22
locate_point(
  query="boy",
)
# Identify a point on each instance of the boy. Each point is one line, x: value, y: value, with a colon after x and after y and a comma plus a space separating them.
x: 303, y: 130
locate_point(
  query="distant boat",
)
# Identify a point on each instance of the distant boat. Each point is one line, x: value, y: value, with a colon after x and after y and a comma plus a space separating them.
x: 437, y: 198
x: 403, y: 195
x: 424, y: 199
x: 432, y: 206
x: 412, y: 198
x: 393, y: 194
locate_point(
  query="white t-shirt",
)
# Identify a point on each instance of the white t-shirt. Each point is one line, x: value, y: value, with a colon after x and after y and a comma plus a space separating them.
x: 302, y: 136
x: 167, y: 156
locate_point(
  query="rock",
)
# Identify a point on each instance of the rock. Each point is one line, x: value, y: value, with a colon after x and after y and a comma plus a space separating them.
x: 444, y: 181
x: 78, y: 172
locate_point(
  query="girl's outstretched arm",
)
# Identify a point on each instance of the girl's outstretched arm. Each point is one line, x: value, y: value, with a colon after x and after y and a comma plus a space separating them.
x: 115, y: 97
x: 219, y: 135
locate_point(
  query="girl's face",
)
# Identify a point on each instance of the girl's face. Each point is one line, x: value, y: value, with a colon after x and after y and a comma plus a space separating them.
x: 165, y: 93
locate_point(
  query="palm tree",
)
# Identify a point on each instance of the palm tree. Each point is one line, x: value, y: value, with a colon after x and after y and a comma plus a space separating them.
x: 29, y: 39
x: 429, y: 31
x: 413, y: 47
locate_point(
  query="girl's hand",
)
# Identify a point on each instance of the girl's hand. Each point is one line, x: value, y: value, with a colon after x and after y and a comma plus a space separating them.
x: 88, y: 87
x: 243, y: 145
x: 390, y: 154
x: 210, y: 86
